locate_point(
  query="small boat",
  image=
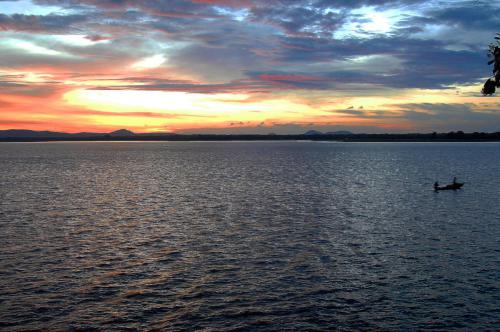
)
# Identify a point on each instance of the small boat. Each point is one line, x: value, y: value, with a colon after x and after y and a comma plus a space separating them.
x: 453, y: 186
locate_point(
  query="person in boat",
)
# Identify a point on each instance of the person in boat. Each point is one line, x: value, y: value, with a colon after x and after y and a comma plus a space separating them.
x: 455, y: 181
x: 436, y: 185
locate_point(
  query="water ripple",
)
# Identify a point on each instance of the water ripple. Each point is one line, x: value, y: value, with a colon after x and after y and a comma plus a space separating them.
x: 248, y: 236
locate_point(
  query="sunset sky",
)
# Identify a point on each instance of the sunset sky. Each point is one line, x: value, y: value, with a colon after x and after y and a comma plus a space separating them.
x: 248, y: 66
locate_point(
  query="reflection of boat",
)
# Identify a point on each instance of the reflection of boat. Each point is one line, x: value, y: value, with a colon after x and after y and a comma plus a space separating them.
x: 453, y: 186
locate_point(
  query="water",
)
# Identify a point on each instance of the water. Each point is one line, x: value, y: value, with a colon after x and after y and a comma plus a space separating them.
x: 257, y: 236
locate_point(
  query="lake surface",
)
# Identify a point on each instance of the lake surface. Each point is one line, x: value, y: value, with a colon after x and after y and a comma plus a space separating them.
x: 257, y: 236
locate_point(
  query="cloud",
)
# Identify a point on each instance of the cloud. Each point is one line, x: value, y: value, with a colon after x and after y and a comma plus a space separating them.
x: 170, y: 8
x: 443, y: 111
x: 313, y: 50
x: 19, y: 123
x: 349, y: 111
x: 439, y: 116
x: 39, y: 23
x: 470, y: 15
x: 298, y: 20
x: 159, y: 115
x: 96, y: 38
x: 466, y: 117
x: 421, y: 63
x: 220, y: 46
x: 5, y: 103
x: 148, y: 84
x: 31, y: 90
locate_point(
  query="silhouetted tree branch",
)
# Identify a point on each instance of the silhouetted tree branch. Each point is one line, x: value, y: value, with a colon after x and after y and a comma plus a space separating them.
x: 494, y: 53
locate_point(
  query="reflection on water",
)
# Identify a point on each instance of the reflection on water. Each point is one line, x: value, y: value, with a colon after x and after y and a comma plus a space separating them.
x: 248, y: 235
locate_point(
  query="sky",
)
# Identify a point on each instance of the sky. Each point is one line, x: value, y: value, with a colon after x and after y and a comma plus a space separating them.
x: 248, y: 66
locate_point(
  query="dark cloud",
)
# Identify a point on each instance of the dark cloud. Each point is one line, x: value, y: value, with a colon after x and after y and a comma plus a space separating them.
x: 215, y: 64
x: 299, y: 20
x: 31, y: 90
x: 475, y: 15
x: 292, y: 80
x: 424, y: 63
x: 39, y: 23
x: 167, y: 8
x: 349, y: 111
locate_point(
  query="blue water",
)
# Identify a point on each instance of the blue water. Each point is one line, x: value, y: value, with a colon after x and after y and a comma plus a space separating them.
x: 257, y: 236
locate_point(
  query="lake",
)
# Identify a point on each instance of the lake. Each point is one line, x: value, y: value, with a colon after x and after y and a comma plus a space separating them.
x: 257, y: 236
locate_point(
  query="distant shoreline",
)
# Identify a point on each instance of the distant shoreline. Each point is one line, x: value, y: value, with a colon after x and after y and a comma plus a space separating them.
x: 449, y: 137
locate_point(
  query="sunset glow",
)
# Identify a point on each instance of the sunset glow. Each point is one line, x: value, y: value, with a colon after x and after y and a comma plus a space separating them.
x: 246, y: 66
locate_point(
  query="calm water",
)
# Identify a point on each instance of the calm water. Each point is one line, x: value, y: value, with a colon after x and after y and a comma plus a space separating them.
x: 257, y: 236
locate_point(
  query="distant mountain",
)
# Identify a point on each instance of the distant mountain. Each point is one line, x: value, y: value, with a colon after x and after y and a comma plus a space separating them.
x: 121, y: 133
x: 312, y: 133
x: 32, y: 134
x: 23, y: 133
x: 340, y: 133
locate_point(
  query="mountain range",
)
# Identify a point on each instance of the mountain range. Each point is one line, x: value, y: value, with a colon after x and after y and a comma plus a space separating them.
x: 23, y: 133
x: 121, y: 133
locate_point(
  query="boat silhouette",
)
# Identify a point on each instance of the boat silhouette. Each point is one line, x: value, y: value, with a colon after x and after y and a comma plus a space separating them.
x: 452, y: 186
